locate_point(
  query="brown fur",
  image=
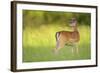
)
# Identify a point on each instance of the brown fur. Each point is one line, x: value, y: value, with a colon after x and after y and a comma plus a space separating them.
x: 66, y: 37
x: 69, y: 36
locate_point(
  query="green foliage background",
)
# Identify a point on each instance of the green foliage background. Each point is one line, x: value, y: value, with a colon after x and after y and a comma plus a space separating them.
x: 39, y: 28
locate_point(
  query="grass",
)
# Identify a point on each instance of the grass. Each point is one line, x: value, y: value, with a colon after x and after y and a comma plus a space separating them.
x: 38, y: 44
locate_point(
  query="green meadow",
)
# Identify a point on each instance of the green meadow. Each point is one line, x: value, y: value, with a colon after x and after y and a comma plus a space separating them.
x: 39, y: 39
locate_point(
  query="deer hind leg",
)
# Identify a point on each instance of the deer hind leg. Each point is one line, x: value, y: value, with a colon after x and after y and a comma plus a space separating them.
x: 59, y: 43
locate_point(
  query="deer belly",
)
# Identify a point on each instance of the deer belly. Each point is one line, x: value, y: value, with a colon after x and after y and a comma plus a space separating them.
x: 71, y: 40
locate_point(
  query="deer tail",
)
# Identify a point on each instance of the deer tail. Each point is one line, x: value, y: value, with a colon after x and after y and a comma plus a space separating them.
x: 57, y: 36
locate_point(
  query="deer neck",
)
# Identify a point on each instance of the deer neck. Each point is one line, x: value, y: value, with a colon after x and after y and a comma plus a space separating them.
x: 74, y: 28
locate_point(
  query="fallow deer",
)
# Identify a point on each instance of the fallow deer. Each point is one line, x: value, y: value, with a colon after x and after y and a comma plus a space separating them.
x: 66, y: 37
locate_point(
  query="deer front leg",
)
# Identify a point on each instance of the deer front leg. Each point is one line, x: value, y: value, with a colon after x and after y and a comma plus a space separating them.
x: 75, y: 48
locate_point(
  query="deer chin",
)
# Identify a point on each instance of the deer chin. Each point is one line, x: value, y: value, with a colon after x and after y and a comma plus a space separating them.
x: 72, y: 25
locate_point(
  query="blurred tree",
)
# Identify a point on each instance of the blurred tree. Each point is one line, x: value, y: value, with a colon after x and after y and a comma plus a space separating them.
x: 36, y: 18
